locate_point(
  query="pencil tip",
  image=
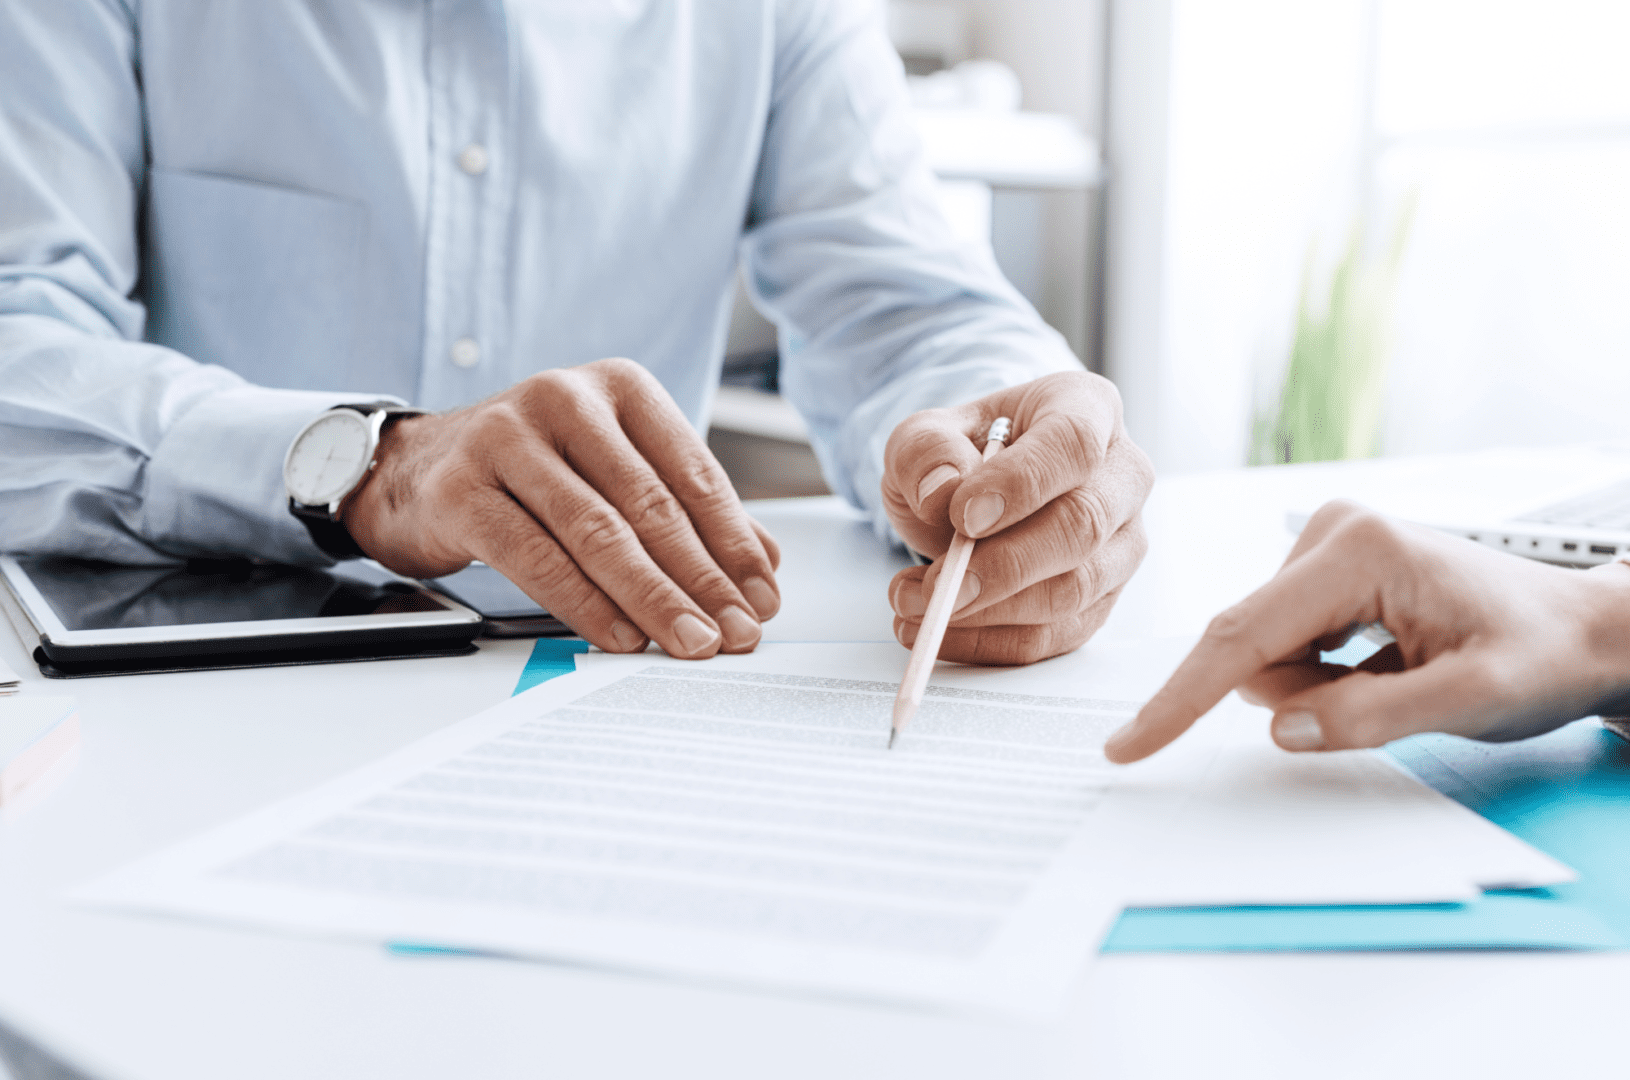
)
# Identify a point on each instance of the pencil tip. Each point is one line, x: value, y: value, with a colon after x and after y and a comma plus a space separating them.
x: 892, y: 733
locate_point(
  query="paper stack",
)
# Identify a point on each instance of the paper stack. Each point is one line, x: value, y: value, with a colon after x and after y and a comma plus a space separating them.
x: 741, y: 820
x: 35, y: 734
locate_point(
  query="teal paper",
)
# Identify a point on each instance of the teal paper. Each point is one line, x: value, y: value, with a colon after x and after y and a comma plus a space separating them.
x: 550, y: 657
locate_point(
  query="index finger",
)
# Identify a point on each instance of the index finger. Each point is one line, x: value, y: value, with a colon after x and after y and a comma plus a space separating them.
x: 1306, y: 599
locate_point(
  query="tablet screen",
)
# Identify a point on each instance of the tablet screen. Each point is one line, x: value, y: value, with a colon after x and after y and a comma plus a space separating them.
x: 103, y: 596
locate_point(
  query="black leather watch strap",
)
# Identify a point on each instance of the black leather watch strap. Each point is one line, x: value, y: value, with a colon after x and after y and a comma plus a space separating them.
x: 328, y: 534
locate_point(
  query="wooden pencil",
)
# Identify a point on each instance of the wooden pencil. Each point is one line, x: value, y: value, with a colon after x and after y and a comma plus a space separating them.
x: 940, y: 609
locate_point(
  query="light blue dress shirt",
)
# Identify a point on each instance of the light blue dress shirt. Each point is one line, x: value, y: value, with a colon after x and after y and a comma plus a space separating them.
x: 220, y: 217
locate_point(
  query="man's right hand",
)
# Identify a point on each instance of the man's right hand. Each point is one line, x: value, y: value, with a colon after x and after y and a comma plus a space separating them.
x: 587, y: 488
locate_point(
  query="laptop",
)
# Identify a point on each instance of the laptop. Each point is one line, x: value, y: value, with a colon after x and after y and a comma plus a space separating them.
x: 1585, y: 529
x: 1563, y: 505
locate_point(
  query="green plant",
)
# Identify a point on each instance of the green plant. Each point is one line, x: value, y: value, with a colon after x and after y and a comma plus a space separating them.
x: 1329, y: 403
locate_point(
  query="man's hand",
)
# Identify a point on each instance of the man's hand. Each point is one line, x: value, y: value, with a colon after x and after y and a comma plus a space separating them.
x: 1056, y: 514
x: 588, y: 489
x: 1489, y: 645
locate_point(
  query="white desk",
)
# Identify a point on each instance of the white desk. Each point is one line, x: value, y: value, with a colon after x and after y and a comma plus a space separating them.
x: 122, y: 998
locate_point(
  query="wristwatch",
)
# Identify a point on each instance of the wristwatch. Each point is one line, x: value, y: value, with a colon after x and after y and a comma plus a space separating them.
x: 327, y: 461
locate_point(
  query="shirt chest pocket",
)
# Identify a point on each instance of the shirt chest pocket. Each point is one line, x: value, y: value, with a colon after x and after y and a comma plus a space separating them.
x: 253, y: 277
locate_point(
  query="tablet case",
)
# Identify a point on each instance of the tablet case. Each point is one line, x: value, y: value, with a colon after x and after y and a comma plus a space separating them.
x: 396, y: 645
x: 336, y: 654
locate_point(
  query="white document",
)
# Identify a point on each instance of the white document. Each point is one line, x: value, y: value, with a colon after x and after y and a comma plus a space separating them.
x: 738, y: 819
x: 1251, y: 824
x: 1224, y: 817
x: 9, y: 682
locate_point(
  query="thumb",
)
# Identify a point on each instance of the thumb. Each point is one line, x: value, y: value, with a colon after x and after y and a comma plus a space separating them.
x: 1449, y: 693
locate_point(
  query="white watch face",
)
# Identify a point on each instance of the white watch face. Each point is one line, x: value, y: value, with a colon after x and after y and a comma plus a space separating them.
x: 328, y: 458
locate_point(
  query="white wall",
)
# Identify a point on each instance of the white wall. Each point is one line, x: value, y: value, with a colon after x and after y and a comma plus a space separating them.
x: 1234, y: 143
x: 1510, y: 122
x: 1243, y: 154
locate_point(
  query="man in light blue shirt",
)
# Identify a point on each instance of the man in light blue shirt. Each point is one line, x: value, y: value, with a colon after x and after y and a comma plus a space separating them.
x: 220, y: 218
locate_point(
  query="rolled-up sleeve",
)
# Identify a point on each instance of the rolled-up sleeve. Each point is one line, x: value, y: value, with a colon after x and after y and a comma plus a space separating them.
x: 110, y: 447
x: 881, y: 309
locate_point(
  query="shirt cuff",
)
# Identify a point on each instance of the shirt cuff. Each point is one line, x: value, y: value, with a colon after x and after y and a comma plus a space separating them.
x: 215, y: 484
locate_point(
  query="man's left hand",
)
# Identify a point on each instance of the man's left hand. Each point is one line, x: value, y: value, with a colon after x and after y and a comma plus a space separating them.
x: 1056, y: 513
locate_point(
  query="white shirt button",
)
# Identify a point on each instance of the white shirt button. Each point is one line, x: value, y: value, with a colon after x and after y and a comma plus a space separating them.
x: 473, y: 159
x: 465, y: 352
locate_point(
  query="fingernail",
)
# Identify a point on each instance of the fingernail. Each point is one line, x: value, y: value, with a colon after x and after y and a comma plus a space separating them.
x: 693, y: 633
x: 935, y: 480
x: 967, y: 593
x: 910, y: 603
x: 982, y: 512
x: 627, y: 636
x: 762, y: 595
x: 1298, y: 731
x: 740, y: 629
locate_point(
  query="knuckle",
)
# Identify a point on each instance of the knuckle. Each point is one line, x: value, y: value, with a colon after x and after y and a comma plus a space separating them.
x: 652, y: 511
x: 738, y: 550
x: 1138, y: 463
x: 1336, y: 513
x: 599, y: 531
x: 499, y: 421
x: 1031, y: 645
x: 1087, y: 515
x: 558, y: 580
x: 1084, y: 586
x: 1067, y: 594
x: 1232, y: 629
x: 712, y: 585
x: 1363, y: 530
x: 1137, y: 540
x: 1005, y: 645
x: 1004, y: 570
x: 559, y: 397
x: 545, y: 386
x: 628, y: 380
x: 703, y: 480
x: 1106, y: 389
x: 621, y: 367
x: 552, y: 576
x: 917, y: 434
x: 1070, y: 634
x: 1080, y: 439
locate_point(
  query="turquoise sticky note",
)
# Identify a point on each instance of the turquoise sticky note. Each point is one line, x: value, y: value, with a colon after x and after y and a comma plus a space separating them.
x: 550, y: 657
x: 1567, y: 793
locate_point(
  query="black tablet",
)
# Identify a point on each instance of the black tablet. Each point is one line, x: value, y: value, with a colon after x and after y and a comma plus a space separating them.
x: 94, y: 618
